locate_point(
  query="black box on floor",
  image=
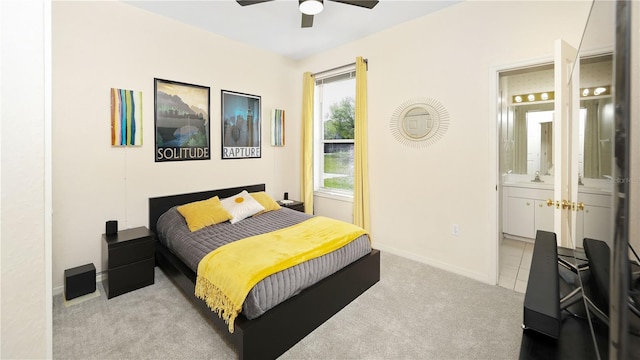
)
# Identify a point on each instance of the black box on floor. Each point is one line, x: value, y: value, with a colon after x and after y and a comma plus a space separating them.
x: 79, y: 281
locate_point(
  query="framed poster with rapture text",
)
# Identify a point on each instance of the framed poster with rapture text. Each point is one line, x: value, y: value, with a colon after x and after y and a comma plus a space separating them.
x: 241, y: 118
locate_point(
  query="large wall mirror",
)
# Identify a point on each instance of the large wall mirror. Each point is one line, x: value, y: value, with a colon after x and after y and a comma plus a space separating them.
x: 604, y: 321
x: 612, y: 306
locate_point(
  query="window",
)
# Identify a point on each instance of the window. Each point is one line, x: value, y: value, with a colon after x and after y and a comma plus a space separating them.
x: 334, y: 121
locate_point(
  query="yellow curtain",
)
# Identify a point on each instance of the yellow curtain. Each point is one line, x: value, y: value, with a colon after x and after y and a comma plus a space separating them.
x: 307, y: 142
x: 361, y: 168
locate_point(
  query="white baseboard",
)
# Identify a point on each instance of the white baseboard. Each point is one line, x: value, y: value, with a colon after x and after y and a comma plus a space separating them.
x: 436, y: 263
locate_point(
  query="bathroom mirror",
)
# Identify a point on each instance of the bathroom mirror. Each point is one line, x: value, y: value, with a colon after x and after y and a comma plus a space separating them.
x: 533, y: 145
x: 527, y: 138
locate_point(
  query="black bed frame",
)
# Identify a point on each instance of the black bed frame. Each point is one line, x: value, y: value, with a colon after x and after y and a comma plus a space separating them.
x: 277, y: 330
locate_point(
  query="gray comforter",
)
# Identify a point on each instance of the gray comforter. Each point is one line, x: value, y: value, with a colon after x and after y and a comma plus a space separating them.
x: 191, y: 247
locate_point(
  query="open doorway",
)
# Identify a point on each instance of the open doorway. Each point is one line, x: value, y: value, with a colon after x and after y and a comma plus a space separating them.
x: 526, y: 161
x: 525, y: 167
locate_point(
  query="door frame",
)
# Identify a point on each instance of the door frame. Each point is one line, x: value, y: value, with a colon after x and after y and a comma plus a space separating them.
x: 494, y: 192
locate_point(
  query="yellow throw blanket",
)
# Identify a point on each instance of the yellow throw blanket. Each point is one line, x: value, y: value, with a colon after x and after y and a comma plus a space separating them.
x: 227, y: 274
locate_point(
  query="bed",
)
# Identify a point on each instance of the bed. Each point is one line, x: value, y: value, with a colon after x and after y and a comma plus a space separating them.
x: 279, y: 328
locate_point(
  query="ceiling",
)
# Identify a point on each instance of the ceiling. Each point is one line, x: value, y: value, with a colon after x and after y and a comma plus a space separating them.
x: 275, y: 26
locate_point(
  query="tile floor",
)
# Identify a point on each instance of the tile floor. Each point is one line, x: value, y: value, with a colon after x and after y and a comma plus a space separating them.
x: 515, y: 262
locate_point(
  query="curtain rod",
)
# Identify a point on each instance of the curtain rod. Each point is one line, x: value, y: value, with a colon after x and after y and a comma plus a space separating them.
x: 366, y: 61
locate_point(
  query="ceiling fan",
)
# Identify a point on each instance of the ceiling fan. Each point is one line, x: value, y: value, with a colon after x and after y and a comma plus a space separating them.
x: 309, y: 8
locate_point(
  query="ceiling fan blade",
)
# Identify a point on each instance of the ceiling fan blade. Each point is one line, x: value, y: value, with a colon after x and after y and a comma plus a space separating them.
x: 369, y: 4
x: 307, y: 21
x: 250, y: 2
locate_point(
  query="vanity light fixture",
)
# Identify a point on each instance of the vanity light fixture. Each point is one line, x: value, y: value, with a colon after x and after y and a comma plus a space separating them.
x: 528, y: 98
x: 596, y: 91
x: 310, y: 7
x: 533, y: 97
x: 587, y: 92
x: 599, y: 91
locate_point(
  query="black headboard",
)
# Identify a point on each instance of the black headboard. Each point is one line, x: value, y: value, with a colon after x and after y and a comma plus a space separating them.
x: 159, y: 205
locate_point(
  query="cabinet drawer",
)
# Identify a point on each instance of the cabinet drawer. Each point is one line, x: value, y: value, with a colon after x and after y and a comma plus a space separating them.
x: 130, y: 277
x: 596, y: 200
x: 297, y: 207
x: 130, y: 253
x: 536, y: 194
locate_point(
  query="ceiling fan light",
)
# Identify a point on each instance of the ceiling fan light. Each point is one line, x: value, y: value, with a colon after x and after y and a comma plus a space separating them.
x: 310, y: 7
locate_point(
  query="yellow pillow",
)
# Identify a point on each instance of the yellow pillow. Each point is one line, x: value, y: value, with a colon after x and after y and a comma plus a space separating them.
x: 266, y: 201
x: 204, y: 213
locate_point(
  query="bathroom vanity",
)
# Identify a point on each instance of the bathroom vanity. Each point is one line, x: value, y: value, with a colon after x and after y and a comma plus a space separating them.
x: 528, y: 207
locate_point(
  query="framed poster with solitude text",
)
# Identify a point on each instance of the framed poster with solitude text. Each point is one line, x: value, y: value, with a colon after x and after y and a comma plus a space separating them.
x: 241, y: 118
x: 182, y: 121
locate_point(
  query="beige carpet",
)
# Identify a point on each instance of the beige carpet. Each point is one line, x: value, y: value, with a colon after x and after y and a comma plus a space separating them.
x: 414, y: 312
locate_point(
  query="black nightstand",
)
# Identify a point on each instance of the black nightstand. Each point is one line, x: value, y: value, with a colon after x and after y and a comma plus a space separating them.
x: 128, y: 259
x: 294, y: 205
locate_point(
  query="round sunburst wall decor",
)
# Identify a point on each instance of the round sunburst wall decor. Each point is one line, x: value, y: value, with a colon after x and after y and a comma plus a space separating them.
x: 419, y: 122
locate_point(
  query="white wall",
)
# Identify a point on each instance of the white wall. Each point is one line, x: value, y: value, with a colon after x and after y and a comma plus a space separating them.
x: 25, y: 245
x: 100, y: 45
x: 417, y: 195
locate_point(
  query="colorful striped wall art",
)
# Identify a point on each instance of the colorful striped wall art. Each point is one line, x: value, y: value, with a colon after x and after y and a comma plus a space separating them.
x: 277, y: 127
x: 126, y: 117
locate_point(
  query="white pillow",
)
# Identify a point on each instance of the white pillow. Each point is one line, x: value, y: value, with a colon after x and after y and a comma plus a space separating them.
x: 241, y: 206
